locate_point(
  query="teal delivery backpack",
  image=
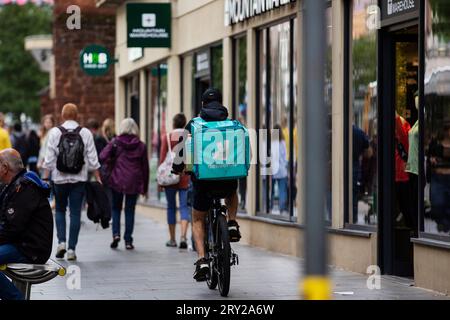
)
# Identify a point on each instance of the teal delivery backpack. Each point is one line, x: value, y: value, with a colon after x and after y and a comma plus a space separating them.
x: 218, y: 150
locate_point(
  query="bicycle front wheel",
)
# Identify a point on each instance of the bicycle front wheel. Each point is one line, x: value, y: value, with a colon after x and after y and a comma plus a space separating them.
x: 223, y: 255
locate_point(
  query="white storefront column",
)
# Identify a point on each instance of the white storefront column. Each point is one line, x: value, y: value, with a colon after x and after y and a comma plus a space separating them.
x: 337, y: 152
x: 173, y: 89
x: 252, y: 114
x: 227, y: 74
x: 142, y: 105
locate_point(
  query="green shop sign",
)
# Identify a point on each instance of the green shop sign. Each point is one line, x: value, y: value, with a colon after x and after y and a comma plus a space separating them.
x: 95, y: 60
x: 148, y: 25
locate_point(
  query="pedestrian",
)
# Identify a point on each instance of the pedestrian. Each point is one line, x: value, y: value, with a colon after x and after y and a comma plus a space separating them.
x: 33, y: 143
x: 108, y: 131
x: 26, y: 222
x: 70, y: 155
x: 47, y: 122
x: 5, y: 141
x: 19, y: 142
x: 99, y: 140
x: 178, y: 124
x: 280, y: 176
x: 128, y: 160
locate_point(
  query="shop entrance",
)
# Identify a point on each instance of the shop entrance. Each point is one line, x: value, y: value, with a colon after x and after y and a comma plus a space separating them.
x: 201, y: 85
x: 398, y: 116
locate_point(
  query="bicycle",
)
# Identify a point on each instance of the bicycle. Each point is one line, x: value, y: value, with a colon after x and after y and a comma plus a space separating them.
x: 218, y: 250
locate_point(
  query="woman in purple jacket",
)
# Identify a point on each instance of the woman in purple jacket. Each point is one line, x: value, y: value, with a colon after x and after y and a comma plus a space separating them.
x: 127, y: 161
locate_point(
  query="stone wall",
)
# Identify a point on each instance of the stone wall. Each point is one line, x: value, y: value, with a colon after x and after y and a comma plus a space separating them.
x: 94, y: 96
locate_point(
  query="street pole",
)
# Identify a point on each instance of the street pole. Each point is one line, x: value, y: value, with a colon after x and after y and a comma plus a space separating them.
x: 316, y: 284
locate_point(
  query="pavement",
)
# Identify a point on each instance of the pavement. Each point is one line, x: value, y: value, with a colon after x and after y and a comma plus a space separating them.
x: 154, y: 272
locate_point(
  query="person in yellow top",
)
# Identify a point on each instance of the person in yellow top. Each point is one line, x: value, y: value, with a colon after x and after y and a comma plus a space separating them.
x: 5, y: 142
x: 286, y: 134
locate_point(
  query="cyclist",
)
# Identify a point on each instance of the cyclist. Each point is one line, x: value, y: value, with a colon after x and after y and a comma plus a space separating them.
x: 212, y: 110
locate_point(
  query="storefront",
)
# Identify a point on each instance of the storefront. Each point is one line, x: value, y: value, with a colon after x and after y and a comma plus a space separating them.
x: 386, y: 91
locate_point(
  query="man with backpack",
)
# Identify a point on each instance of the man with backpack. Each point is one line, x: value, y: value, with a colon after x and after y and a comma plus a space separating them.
x: 71, y: 154
x: 212, y: 110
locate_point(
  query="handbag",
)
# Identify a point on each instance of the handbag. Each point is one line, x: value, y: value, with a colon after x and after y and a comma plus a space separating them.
x: 164, y: 174
x: 108, y: 167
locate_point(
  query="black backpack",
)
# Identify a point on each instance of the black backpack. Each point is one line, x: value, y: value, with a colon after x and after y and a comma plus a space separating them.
x: 71, y: 151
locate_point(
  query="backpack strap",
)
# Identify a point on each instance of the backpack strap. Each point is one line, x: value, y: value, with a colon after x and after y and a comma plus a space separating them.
x: 62, y: 129
x: 169, y: 142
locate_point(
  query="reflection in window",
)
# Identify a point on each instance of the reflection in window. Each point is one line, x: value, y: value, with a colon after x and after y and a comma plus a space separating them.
x: 437, y: 117
x: 363, y: 112
x: 158, y: 107
x: 217, y: 66
x: 240, y: 54
x: 275, y: 196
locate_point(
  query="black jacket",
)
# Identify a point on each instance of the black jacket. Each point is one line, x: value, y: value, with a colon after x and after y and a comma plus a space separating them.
x: 213, y: 111
x: 26, y: 219
x: 99, y: 205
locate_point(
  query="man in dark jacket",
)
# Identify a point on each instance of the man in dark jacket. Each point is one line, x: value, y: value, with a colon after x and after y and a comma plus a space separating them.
x: 212, y: 110
x: 26, y: 221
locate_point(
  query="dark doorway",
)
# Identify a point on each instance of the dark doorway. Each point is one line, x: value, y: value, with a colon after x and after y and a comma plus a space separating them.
x: 135, y: 112
x: 201, y: 85
x: 399, y: 195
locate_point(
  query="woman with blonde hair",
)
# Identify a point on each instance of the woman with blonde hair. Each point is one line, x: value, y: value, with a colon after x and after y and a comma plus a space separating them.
x: 108, y: 129
x: 47, y: 122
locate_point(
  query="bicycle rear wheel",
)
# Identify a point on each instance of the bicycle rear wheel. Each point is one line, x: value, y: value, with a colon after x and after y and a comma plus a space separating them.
x: 223, y: 255
x: 213, y: 278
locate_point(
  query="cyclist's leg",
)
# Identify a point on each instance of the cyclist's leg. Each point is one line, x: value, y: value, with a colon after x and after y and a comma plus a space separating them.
x: 202, y: 202
x: 198, y: 230
x: 232, y: 205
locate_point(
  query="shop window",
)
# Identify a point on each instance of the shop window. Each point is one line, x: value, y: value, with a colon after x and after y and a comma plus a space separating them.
x: 362, y: 112
x: 217, y: 67
x: 277, y: 187
x: 157, y: 83
x: 133, y: 104
x: 240, y: 100
x: 436, y: 175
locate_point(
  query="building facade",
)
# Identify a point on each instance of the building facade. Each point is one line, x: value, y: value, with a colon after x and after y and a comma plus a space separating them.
x: 387, y: 94
x: 94, y: 95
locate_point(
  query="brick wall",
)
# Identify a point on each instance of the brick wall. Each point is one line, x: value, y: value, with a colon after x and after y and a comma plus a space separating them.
x: 94, y: 96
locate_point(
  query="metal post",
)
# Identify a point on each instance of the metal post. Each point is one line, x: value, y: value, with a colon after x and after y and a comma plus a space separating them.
x: 316, y: 284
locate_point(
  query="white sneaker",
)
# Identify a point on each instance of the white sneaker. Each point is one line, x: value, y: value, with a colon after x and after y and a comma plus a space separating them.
x: 61, y: 250
x: 71, y: 256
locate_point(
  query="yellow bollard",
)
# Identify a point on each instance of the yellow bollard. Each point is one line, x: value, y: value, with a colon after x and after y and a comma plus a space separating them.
x: 316, y: 288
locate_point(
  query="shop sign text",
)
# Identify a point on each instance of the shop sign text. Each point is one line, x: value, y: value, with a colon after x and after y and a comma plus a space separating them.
x: 241, y: 10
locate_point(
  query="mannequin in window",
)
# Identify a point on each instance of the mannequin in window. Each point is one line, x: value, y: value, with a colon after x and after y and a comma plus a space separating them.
x: 412, y: 168
x: 402, y: 187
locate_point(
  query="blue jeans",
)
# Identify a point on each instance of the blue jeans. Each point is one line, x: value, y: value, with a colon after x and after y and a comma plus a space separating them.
x: 74, y: 194
x: 171, y: 194
x: 282, y: 193
x: 130, y: 206
x: 10, y: 254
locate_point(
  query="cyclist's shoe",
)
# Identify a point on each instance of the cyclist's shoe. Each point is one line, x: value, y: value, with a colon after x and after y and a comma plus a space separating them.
x: 201, y: 270
x: 233, y: 231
